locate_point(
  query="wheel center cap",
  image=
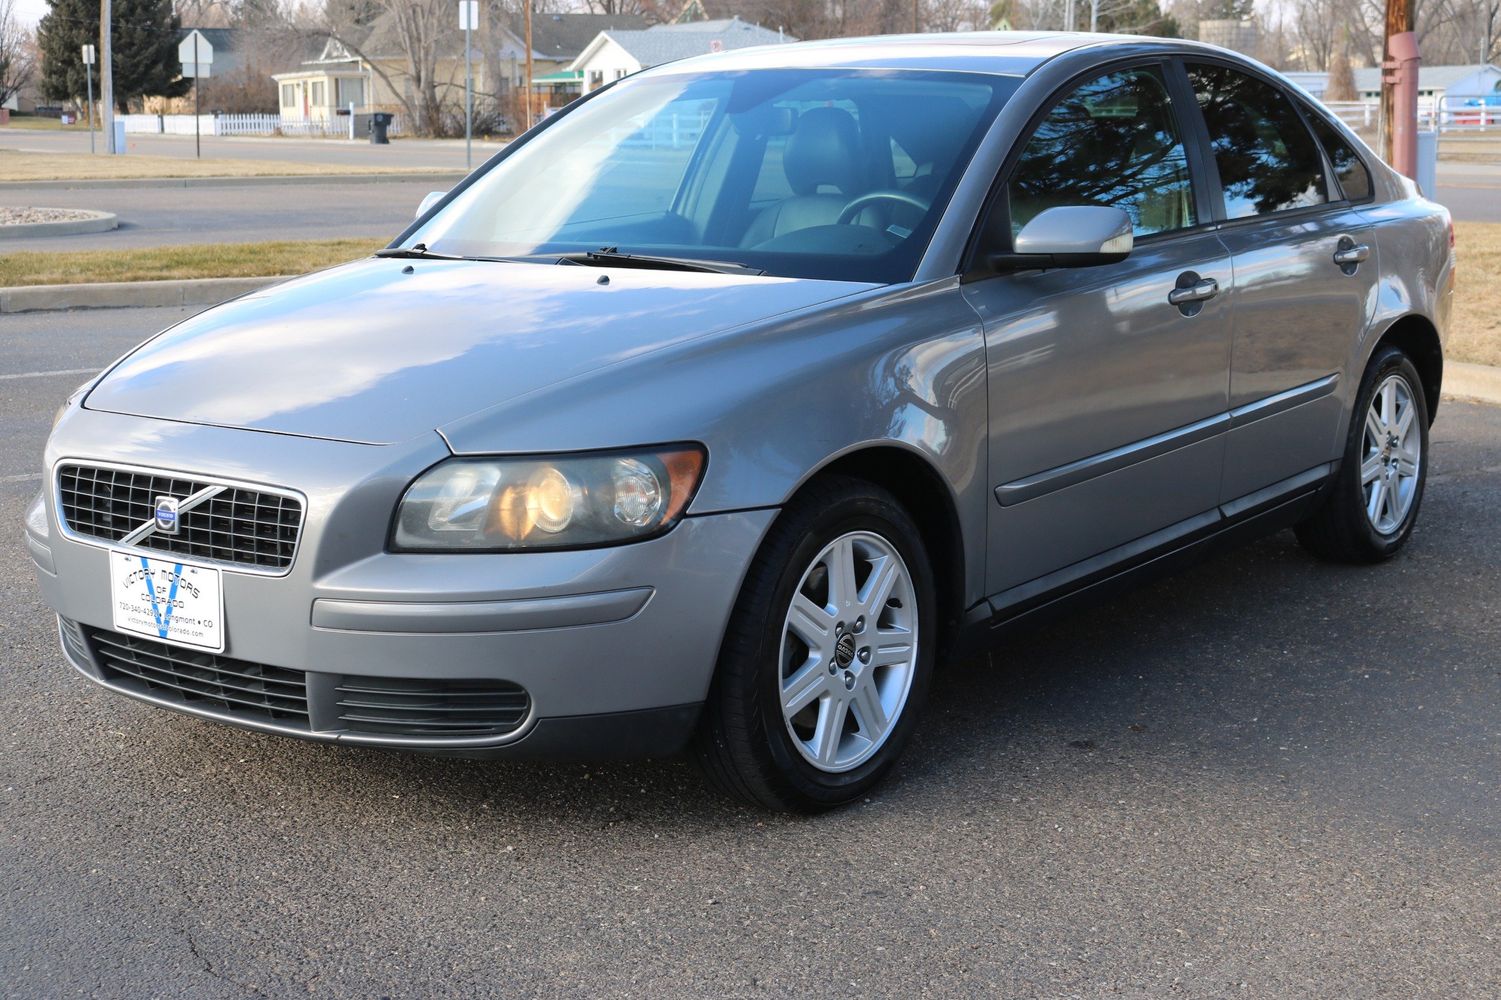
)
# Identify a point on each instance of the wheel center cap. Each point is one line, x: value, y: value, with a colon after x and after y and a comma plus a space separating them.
x: 844, y: 650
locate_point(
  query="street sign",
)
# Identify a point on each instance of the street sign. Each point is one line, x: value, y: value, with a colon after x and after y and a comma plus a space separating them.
x: 88, y: 55
x: 468, y: 15
x: 195, y: 49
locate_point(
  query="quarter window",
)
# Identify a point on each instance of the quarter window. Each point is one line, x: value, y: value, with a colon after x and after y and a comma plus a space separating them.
x: 1354, y: 179
x: 1111, y: 142
x: 1267, y: 160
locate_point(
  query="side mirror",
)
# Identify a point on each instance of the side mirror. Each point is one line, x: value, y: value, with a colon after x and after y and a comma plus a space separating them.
x: 1069, y: 236
x: 428, y: 201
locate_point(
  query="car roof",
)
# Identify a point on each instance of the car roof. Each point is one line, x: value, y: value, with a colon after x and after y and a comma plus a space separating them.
x: 1007, y: 53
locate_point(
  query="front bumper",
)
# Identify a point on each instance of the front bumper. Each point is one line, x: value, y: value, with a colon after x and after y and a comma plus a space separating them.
x: 614, y: 647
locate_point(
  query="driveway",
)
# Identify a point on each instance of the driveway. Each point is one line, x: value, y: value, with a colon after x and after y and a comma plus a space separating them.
x: 1266, y: 777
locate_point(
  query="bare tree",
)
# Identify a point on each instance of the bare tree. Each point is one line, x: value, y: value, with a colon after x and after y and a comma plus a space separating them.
x: 17, y: 52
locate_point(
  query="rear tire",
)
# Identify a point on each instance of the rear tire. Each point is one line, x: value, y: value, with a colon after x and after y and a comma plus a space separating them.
x: 1369, y: 512
x: 813, y: 702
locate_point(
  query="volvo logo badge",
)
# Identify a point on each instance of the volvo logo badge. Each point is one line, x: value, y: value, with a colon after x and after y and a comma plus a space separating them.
x: 844, y: 650
x: 166, y: 515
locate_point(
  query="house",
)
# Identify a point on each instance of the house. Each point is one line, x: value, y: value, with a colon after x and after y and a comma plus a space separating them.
x: 368, y: 68
x: 1453, y: 84
x: 615, y: 54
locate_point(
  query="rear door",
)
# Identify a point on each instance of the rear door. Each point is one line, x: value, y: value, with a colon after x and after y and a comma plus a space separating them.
x: 1305, y: 275
x: 1106, y: 401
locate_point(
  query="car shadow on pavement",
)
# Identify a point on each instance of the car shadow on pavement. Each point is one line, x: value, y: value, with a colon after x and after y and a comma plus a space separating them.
x: 1225, y: 666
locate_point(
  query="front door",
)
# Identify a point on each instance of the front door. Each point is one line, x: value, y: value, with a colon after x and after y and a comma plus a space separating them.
x: 1107, y: 402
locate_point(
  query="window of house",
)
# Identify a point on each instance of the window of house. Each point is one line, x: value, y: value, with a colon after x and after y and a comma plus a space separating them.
x: 1267, y: 159
x: 317, y: 98
x: 1111, y: 142
x: 350, y: 91
x: 288, y: 95
x: 596, y: 79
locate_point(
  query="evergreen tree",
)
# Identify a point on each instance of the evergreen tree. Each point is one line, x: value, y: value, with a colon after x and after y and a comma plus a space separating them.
x: 1227, y: 10
x: 144, y: 37
x: 1138, y: 17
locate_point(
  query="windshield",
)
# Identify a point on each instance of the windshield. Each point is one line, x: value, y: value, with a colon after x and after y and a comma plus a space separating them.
x: 838, y: 174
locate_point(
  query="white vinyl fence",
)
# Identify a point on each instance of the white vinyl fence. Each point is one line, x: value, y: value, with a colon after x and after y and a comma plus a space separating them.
x: 1442, y: 115
x: 335, y: 127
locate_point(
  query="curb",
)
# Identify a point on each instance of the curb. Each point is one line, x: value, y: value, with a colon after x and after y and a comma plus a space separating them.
x: 448, y: 177
x: 99, y: 222
x: 1476, y: 383
x: 137, y: 294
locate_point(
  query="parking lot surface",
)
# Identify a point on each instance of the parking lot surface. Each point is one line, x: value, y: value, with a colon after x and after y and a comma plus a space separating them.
x: 1265, y: 777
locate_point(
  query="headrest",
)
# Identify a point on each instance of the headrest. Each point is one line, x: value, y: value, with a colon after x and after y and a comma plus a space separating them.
x: 823, y: 150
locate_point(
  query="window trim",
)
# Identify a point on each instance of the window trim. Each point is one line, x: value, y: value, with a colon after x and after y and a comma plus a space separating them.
x: 1217, y: 191
x: 995, y: 213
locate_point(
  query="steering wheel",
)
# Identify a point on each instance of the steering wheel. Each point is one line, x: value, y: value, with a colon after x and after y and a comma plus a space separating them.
x: 858, y: 204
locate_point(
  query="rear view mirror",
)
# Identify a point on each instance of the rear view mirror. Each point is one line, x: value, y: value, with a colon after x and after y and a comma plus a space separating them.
x: 1070, y: 236
x: 429, y: 200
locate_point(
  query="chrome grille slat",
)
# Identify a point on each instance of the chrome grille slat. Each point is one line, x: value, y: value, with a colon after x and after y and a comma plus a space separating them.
x: 240, y: 526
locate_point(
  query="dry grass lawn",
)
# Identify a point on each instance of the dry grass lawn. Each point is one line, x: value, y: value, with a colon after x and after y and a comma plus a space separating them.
x: 1475, y: 332
x: 212, y: 260
x: 18, y: 166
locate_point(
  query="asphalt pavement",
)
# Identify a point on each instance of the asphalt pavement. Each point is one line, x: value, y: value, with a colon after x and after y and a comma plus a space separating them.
x: 1266, y: 777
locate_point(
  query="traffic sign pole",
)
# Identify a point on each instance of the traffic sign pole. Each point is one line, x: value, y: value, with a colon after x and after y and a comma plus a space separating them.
x: 88, y: 76
x: 468, y: 21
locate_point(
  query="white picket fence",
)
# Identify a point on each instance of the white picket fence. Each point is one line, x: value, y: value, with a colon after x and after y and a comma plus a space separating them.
x: 335, y: 127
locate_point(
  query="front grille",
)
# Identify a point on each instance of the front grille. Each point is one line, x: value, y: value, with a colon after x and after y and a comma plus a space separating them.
x: 238, y: 525
x: 202, y: 680
x: 438, y: 709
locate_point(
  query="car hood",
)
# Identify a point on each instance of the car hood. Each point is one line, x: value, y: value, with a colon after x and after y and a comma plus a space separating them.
x: 381, y: 350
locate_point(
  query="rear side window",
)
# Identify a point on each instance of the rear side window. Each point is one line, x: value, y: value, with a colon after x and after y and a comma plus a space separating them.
x: 1267, y: 160
x: 1113, y: 142
x: 1354, y: 179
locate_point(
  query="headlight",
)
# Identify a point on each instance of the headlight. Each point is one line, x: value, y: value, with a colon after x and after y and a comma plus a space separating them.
x: 566, y: 501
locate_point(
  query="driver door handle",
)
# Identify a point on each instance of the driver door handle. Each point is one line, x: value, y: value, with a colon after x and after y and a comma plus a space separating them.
x: 1204, y: 288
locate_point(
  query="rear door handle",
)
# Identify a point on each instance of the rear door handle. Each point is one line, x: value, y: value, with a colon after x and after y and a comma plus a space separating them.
x: 1196, y: 291
x: 1350, y: 253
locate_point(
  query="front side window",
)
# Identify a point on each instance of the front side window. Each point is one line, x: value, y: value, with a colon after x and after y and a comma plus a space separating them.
x: 1111, y: 142
x: 1349, y: 169
x: 1267, y: 160
x: 820, y: 173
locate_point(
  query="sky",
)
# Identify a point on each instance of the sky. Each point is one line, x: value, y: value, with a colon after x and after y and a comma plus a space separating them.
x: 29, y: 12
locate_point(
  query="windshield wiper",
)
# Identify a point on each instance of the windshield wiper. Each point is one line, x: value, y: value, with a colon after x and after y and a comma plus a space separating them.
x: 612, y: 257
x: 417, y: 251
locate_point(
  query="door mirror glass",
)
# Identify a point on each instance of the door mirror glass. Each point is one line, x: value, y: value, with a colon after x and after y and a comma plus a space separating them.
x: 428, y: 201
x: 1071, y: 236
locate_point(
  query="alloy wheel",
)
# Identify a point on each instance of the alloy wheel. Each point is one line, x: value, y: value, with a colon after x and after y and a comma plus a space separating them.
x: 1392, y: 456
x: 849, y: 651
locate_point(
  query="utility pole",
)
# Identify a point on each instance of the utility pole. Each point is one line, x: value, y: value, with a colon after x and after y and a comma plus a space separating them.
x: 528, y: 95
x: 468, y: 16
x: 106, y: 80
x: 1399, y: 88
x: 1094, y: 15
x: 916, y: 16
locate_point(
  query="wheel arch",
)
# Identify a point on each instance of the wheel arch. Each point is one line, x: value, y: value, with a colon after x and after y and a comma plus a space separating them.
x: 921, y: 489
x: 1418, y: 338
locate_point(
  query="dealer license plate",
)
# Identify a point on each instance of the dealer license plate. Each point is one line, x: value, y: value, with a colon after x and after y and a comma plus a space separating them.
x: 167, y: 600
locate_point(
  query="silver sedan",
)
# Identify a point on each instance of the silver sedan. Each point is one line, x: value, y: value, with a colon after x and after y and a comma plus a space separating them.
x: 719, y: 409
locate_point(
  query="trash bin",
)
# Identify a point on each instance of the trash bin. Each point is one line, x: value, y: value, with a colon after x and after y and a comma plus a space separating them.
x: 380, y: 121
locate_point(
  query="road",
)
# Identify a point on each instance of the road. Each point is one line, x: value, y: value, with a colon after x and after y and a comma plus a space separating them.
x: 246, y: 213
x: 1471, y: 191
x: 1266, y: 777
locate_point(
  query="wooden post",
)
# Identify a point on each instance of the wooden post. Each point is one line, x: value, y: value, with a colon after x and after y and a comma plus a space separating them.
x: 106, y: 80
x: 528, y: 94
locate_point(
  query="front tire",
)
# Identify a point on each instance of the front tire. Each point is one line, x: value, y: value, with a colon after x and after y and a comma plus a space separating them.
x: 1369, y: 513
x: 827, y: 657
